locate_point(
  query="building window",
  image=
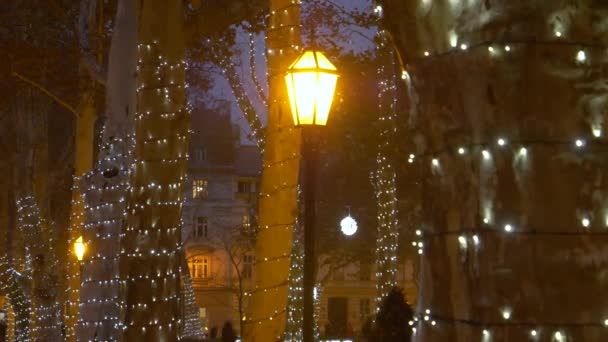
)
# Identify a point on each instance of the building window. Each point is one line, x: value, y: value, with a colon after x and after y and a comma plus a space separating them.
x: 364, y: 309
x: 246, y: 187
x: 200, y: 154
x: 200, y: 188
x: 202, y: 227
x: 246, y: 222
x: 202, y: 313
x: 248, y: 261
x: 248, y: 266
x: 199, y: 267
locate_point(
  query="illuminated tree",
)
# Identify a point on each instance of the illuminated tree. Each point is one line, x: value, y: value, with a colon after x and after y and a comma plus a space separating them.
x: 508, y: 130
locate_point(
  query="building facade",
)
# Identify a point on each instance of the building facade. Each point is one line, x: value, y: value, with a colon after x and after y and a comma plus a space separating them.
x: 348, y: 296
x: 219, y: 217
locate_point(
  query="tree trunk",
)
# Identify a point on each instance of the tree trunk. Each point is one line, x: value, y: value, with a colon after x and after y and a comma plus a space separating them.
x: 83, y: 161
x: 385, y: 176
x: 106, y: 189
x: 152, y: 238
x: 278, y: 197
x: 512, y: 226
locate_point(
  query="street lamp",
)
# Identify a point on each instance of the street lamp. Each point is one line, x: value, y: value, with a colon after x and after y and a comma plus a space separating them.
x: 79, y: 248
x: 348, y: 225
x: 311, y: 83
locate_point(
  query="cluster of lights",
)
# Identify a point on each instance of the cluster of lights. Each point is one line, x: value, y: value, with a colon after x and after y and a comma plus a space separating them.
x: 105, y: 204
x: 192, y: 321
x: 295, y: 302
x: 385, y: 176
x: 38, y: 241
x: 535, y: 330
x: 157, y: 241
x: 466, y: 239
x: 18, y: 299
x: 230, y: 72
x: 283, y: 29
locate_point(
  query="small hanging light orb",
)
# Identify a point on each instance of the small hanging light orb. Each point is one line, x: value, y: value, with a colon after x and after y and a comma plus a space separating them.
x: 348, y: 226
x: 311, y: 83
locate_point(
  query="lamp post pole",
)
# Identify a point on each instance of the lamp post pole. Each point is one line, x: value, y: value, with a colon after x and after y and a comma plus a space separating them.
x: 310, y: 152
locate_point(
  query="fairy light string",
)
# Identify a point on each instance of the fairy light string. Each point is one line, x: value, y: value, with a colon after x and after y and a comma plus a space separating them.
x: 264, y: 299
x: 384, y: 177
x: 151, y: 245
x: 579, y: 150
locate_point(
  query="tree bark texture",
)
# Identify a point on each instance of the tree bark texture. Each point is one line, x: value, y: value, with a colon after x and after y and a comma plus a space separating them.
x: 106, y: 189
x: 150, y: 264
x: 83, y: 161
x: 533, y: 74
x: 278, y: 198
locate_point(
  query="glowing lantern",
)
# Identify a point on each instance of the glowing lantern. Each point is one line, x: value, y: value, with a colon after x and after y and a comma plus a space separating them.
x: 79, y: 248
x: 311, y: 84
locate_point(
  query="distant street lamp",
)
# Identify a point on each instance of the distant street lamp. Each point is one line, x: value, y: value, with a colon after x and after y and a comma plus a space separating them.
x: 348, y: 225
x: 311, y: 84
x: 79, y: 248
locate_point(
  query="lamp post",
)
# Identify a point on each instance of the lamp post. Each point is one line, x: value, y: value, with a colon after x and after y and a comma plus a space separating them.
x: 311, y: 83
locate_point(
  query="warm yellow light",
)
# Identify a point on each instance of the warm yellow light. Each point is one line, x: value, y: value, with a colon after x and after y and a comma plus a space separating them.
x: 311, y: 84
x: 79, y: 248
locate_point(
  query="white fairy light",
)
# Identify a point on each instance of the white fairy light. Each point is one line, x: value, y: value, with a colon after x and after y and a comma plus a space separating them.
x: 507, y: 48
x: 585, y: 222
x: 523, y: 152
x: 463, y: 241
x: 506, y: 313
x: 486, y: 154
x: 508, y: 228
x: 581, y: 56
x: 579, y: 143
x: 462, y: 150
x: 476, y: 240
x: 501, y: 142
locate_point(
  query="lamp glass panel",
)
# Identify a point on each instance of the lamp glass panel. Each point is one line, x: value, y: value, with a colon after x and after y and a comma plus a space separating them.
x: 292, y: 98
x: 324, y: 63
x: 325, y: 95
x: 305, y: 85
x: 307, y: 61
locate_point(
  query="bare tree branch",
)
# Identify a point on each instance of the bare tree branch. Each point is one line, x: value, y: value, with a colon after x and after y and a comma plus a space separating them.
x: 85, y: 22
x: 252, y: 67
x: 48, y: 93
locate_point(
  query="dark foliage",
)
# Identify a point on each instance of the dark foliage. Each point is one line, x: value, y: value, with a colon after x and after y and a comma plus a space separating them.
x: 228, y: 334
x: 392, y: 321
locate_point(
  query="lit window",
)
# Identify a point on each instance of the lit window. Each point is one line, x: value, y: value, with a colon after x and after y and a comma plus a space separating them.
x: 246, y: 221
x: 248, y: 261
x: 199, y: 267
x: 202, y: 227
x: 202, y: 313
x: 200, y: 188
